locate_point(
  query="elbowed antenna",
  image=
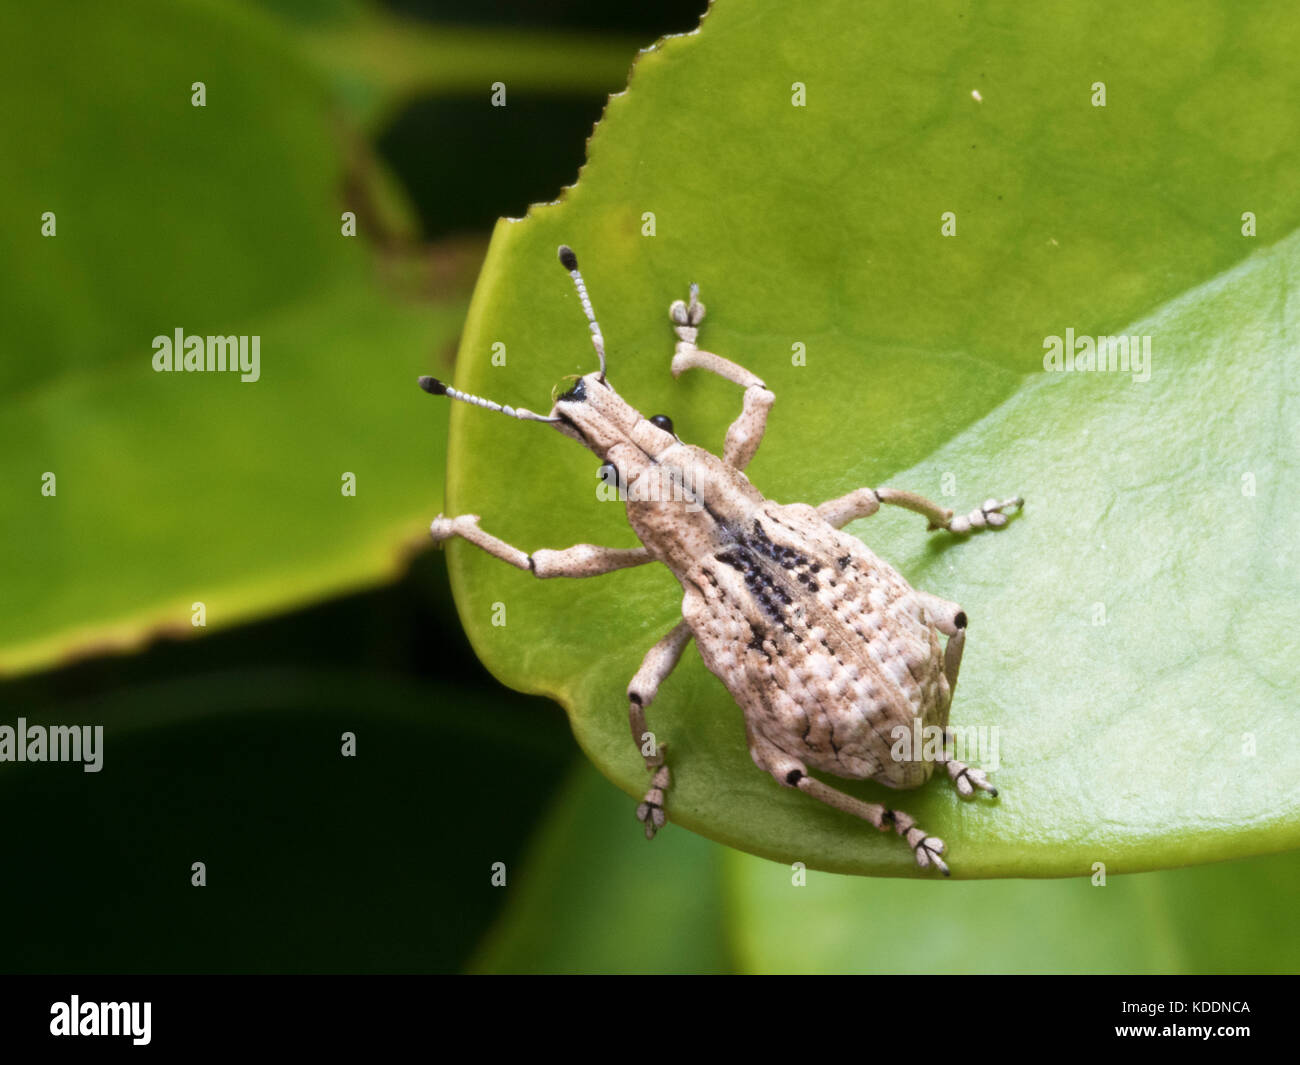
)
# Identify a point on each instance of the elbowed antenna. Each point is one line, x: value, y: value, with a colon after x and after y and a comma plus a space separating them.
x: 438, y: 388
x: 570, y: 262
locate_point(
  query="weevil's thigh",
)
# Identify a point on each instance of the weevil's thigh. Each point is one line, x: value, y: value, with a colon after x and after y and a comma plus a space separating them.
x: 947, y: 617
x: 950, y: 619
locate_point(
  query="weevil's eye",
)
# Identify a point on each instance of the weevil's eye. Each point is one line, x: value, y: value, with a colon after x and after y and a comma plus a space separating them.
x: 608, y: 474
x: 663, y: 422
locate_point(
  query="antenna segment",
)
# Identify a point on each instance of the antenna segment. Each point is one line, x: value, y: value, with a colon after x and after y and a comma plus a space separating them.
x: 437, y: 388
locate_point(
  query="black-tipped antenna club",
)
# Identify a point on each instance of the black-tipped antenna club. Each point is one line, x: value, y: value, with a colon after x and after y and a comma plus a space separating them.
x: 440, y: 388
x: 570, y: 263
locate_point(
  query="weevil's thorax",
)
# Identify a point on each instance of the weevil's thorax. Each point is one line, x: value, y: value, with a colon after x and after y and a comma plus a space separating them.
x: 688, y: 504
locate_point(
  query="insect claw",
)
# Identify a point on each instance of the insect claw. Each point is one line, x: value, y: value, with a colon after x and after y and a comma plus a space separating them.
x: 652, y: 816
x: 990, y: 514
x: 928, y: 850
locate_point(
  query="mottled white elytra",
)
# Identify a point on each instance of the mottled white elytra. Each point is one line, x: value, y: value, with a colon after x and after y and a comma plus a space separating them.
x: 825, y: 647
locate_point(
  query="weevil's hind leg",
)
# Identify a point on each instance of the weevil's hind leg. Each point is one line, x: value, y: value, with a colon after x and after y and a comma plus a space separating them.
x: 792, y: 773
x: 863, y: 502
x: 580, y: 560
x: 950, y: 619
x: 659, y: 661
x: 746, y: 432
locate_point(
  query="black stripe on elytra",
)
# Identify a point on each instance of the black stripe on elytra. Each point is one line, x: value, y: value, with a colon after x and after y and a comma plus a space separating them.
x: 787, y: 558
x: 758, y: 582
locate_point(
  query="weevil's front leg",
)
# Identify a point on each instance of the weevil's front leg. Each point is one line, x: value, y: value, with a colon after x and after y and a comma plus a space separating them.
x: 746, y: 432
x: 863, y: 502
x: 659, y: 661
x: 792, y: 773
x: 581, y: 560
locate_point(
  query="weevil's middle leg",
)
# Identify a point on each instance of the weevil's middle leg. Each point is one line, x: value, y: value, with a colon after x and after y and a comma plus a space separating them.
x: 659, y: 661
x: 746, y: 432
x: 580, y: 560
x: 863, y: 502
x: 792, y: 773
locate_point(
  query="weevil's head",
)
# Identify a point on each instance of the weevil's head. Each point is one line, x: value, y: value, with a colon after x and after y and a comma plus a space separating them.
x: 603, y: 422
x: 589, y: 411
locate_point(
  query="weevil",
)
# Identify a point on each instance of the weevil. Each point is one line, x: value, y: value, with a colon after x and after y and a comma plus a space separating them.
x: 825, y: 647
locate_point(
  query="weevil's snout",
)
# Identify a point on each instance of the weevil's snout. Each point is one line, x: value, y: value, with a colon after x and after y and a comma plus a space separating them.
x: 592, y: 413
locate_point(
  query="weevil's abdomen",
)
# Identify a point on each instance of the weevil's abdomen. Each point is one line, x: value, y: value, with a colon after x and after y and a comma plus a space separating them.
x: 824, y: 646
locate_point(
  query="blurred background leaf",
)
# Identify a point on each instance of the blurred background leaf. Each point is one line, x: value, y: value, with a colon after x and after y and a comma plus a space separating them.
x: 224, y: 219
x: 1128, y: 742
x: 228, y: 751
x: 380, y: 63
x: 1230, y: 917
x: 593, y: 897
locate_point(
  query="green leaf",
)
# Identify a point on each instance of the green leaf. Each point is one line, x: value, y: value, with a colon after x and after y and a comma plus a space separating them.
x: 1155, y: 739
x: 224, y: 219
x: 380, y: 62
x: 1230, y: 917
